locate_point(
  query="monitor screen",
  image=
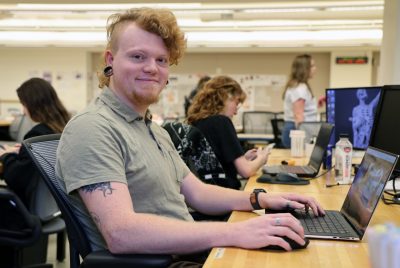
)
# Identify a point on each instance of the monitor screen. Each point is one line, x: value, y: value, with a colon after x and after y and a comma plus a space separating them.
x: 385, y: 133
x: 352, y: 111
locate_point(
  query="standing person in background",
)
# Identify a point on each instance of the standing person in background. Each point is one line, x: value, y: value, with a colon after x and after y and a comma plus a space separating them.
x: 199, y: 86
x: 211, y: 112
x: 299, y: 102
x: 41, y: 103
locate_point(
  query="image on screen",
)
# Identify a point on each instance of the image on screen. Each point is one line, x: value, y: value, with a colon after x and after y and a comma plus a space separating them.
x: 367, y: 187
x: 352, y: 111
x: 386, y: 130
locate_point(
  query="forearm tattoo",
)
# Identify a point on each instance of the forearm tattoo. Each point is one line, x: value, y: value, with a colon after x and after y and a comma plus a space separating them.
x: 105, y: 187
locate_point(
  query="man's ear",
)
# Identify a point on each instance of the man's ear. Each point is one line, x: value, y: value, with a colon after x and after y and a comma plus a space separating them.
x: 109, y: 58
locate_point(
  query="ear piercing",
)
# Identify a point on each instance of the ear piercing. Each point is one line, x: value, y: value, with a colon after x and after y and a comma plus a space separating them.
x: 108, y: 71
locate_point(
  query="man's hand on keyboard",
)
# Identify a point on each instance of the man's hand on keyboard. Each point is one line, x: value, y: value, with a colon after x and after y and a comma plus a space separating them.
x: 290, y: 201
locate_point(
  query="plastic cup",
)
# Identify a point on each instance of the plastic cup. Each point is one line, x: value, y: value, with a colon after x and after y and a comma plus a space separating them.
x: 297, y: 143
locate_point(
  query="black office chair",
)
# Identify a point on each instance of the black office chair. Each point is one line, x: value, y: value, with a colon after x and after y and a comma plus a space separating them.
x: 19, y: 229
x: 279, y: 115
x: 42, y: 150
x: 45, y: 207
x: 322, y: 116
x: 277, y: 127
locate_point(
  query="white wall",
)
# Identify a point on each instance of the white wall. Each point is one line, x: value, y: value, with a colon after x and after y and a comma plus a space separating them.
x: 65, y: 64
x: 350, y: 75
x: 390, y: 49
x: 66, y: 67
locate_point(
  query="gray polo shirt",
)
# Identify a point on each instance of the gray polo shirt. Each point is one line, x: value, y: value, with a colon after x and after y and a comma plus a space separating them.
x: 108, y: 141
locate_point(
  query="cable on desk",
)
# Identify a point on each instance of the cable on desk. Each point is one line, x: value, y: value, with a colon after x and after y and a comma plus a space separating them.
x: 322, y: 174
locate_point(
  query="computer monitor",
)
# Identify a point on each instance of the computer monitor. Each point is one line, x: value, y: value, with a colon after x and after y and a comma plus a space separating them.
x: 351, y: 111
x: 385, y: 133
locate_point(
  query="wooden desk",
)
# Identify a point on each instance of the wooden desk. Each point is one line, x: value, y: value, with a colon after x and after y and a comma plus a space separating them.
x: 319, y: 253
x: 5, y: 123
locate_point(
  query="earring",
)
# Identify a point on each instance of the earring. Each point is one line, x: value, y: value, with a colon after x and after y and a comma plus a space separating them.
x: 167, y: 82
x: 108, y: 71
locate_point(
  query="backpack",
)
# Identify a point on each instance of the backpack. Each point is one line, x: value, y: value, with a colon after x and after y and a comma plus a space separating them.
x: 197, y: 153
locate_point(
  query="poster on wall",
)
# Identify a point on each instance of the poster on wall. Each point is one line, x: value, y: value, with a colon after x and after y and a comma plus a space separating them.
x: 48, y: 76
x: 264, y: 93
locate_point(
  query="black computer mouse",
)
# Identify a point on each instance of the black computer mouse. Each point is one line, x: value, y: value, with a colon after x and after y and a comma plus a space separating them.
x: 293, y: 244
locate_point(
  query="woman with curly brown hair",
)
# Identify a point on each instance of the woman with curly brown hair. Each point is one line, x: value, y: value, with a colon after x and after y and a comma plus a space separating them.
x: 211, y: 112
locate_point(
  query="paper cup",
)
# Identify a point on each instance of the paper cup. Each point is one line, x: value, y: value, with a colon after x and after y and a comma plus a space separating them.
x: 297, y: 143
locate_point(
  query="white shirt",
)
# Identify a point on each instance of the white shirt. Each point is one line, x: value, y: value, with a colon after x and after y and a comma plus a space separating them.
x: 300, y: 92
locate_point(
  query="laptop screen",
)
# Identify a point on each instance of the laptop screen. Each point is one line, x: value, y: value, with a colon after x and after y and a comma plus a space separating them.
x: 363, y: 196
x: 321, y: 143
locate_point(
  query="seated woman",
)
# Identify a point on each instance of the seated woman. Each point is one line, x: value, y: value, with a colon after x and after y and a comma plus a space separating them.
x: 211, y: 112
x: 41, y: 103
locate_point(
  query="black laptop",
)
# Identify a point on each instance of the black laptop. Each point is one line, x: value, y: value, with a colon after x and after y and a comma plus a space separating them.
x: 351, y: 222
x: 317, y: 156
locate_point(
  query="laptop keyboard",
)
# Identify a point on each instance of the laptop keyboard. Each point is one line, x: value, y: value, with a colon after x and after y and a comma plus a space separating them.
x: 297, y: 169
x: 332, y: 223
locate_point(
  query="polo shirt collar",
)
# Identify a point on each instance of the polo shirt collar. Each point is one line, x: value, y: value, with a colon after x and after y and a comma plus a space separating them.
x: 111, y: 100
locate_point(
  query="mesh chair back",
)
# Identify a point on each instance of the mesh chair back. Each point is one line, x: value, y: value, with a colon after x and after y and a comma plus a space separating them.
x: 311, y: 129
x: 43, y: 151
x: 277, y: 126
x: 279, y: 115
x: 43, y: 204
x: 20, y: 126
x: 258, y: 122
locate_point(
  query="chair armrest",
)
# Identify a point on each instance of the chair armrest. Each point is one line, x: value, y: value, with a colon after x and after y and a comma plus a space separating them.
x: 104, y: 259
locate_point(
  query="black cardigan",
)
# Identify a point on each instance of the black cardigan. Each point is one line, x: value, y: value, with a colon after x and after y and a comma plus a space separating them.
x: 19, y: 171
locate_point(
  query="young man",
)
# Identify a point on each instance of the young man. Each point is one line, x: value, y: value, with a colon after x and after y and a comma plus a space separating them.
x: 128, y: 184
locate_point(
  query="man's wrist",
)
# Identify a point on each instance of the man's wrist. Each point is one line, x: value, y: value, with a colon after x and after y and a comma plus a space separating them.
x: 254, y: 198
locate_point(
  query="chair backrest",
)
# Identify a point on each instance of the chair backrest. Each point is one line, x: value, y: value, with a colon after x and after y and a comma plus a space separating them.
x: 196, y: 152
x: 311, y: 129
x: 20, y: 126
x: 43, y: 204
x: 322, y: 116
x: 18, y: 228
x: 279, y: 115
x: 277, y: 127
x: 257, y: 122
x: 43, y: 151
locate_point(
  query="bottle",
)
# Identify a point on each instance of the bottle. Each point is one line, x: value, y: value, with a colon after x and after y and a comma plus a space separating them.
x: 328, y: 157
x: 343, y: 157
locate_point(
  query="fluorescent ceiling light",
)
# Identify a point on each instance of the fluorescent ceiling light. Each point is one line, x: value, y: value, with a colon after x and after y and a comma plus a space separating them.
x: 49, y: 37
x: 355, y: 8
x: 275, y: 23
x: 56, y: 23
x: 105, y: 6
x: 295, y: 36
x: 234, y: 24
x: 279, y: 10
x: 209, y: 39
